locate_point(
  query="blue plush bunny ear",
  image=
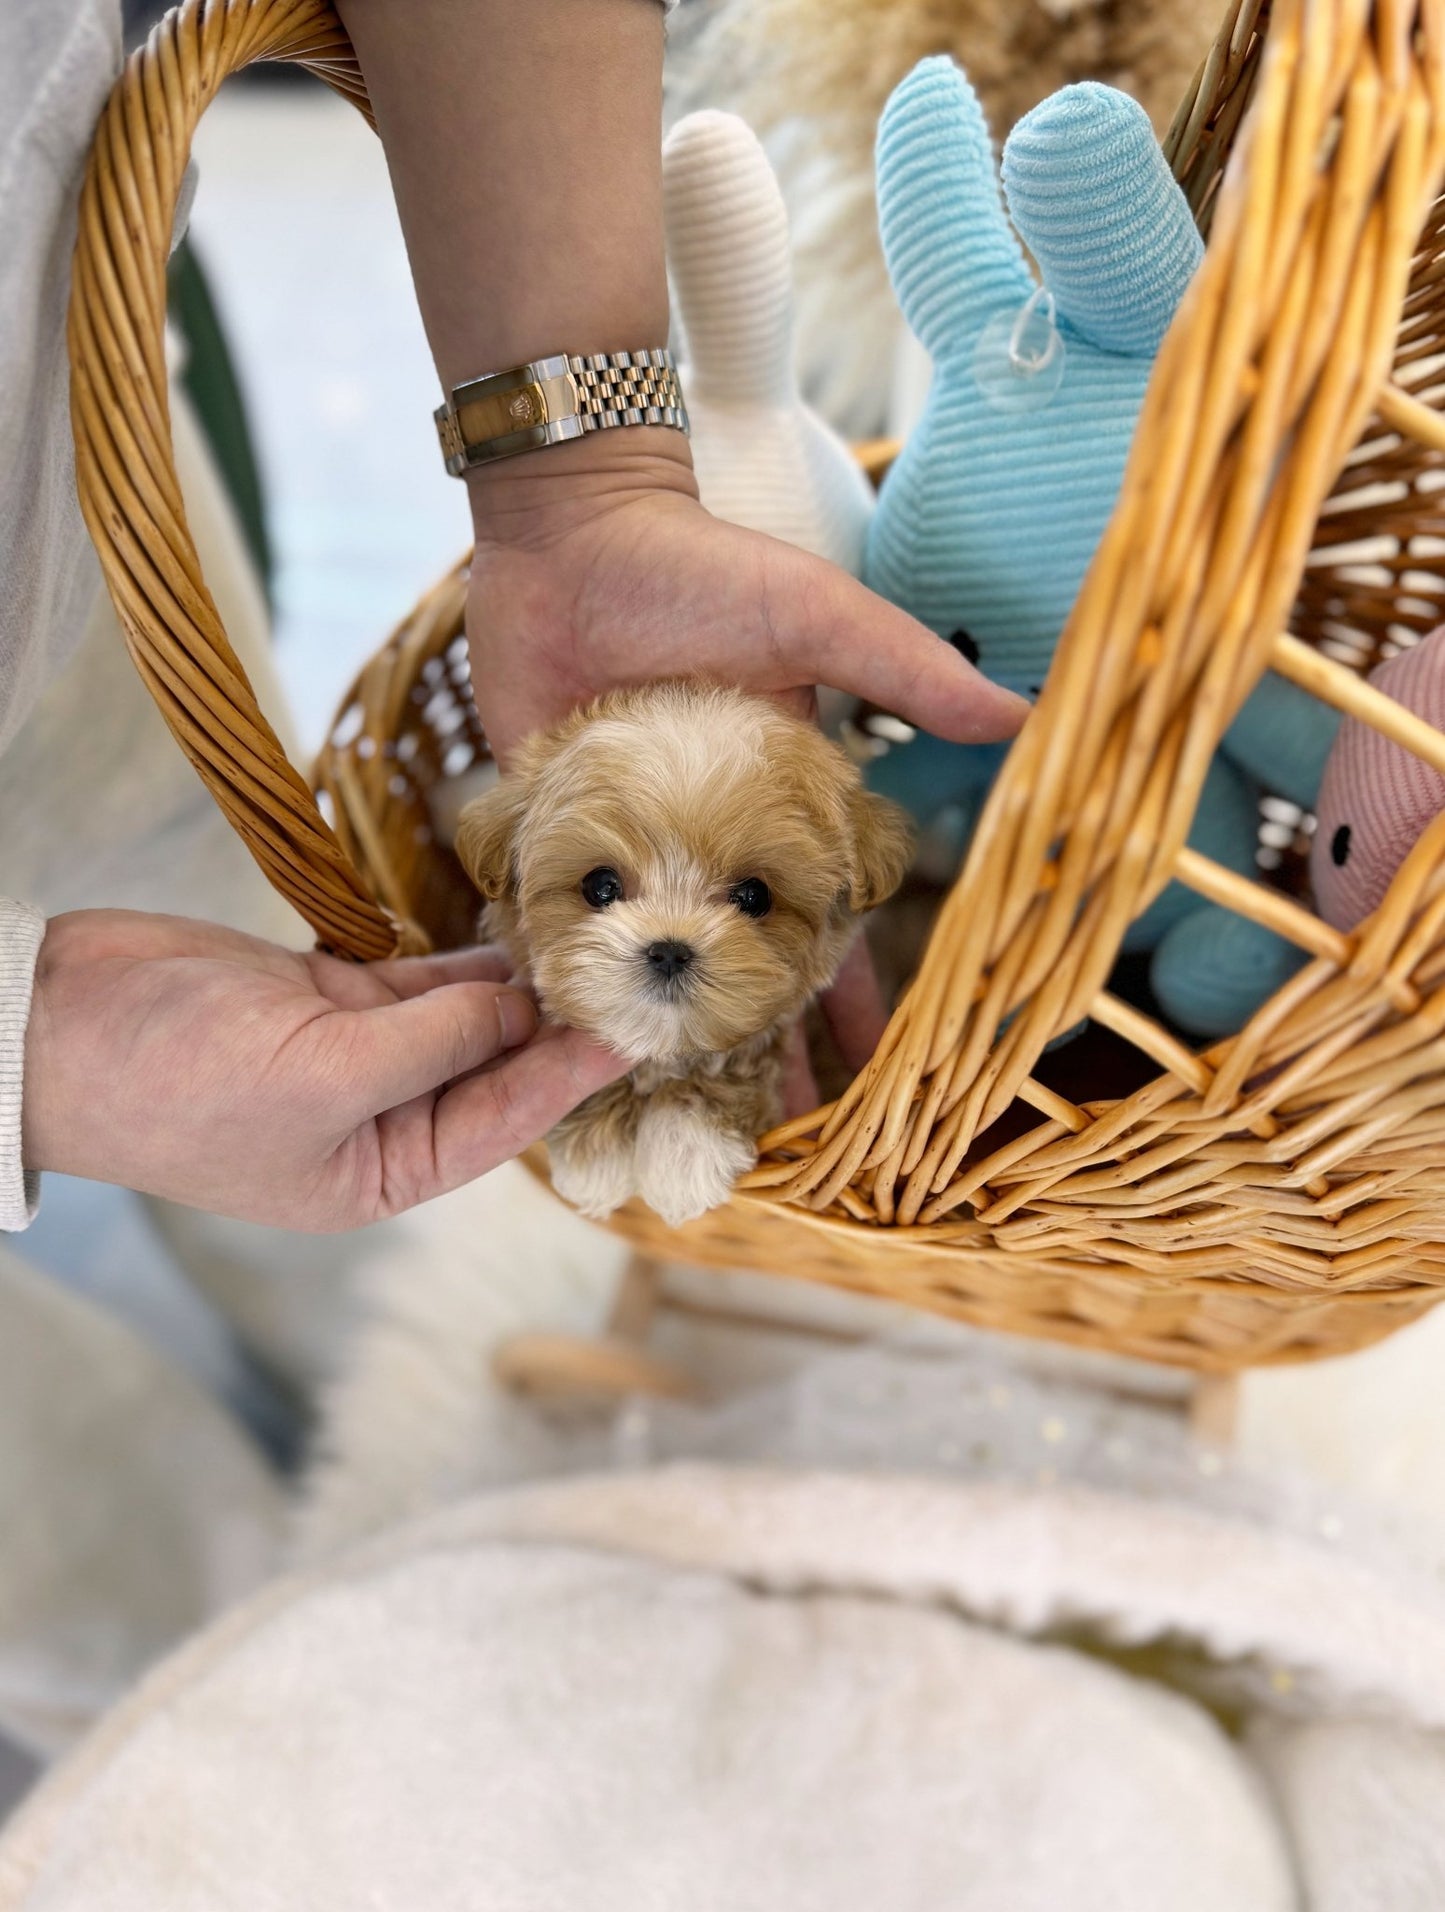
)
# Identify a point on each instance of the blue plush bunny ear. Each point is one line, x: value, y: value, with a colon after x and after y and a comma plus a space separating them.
x: 951, y: 253
x: 1095, y: 202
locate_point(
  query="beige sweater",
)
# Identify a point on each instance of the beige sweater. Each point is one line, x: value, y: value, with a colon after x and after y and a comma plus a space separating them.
x: 57, y: 61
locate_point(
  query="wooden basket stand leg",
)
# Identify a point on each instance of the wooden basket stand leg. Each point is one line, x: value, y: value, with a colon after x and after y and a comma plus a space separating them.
x: 1214, y: 1409
x: 606, y: 1368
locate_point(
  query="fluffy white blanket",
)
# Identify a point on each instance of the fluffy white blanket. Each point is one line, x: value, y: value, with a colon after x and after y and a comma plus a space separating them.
x: 743, y: 1689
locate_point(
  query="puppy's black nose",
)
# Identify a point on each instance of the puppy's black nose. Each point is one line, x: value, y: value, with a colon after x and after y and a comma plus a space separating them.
x: 669, y: 959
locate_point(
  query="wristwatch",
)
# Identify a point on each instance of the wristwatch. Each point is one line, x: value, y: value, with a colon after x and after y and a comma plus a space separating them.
x: 554, y: 399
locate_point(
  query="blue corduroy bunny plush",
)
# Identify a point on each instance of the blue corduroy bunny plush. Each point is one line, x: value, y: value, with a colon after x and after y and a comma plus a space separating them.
x: 988, y: 520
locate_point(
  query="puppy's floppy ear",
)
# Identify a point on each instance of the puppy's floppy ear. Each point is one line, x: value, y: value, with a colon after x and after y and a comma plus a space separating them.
x: 882, y: 846
x: 485, y: 831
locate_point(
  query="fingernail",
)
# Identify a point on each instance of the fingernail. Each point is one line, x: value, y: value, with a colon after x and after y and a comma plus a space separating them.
x: 516, y: 1017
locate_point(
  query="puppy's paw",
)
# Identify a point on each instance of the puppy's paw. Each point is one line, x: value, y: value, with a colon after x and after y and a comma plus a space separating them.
x: 686, y: 1164
x: 595, y: 1181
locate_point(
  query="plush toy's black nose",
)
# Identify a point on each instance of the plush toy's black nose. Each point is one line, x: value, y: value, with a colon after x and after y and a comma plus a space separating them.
x: 669, y: 959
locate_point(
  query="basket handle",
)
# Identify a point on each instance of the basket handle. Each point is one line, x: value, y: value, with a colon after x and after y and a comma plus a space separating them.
x: 125, y: 463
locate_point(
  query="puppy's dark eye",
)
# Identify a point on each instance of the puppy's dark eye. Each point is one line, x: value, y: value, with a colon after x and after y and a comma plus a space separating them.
x: 1340, y: 846
x: 965, y: 644
x: 752, y: 896
x: 601, y: 887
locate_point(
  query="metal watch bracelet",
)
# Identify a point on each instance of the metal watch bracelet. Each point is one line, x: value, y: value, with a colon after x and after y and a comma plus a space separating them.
x: 554, y: 399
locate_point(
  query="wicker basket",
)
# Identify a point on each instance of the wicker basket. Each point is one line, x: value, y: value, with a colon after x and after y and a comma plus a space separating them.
x: 1278, y: 1197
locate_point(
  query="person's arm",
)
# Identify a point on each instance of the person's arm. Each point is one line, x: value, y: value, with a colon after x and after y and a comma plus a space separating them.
x: 524, y: 141
x: 193, y: 1062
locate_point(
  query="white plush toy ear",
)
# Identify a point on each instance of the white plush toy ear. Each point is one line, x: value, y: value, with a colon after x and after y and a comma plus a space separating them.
x: 763, y: 458
x: 727, y: 252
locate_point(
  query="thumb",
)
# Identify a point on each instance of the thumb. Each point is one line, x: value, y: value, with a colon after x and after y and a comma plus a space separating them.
x: 412, y: 1048
x: 491, y: 1117
x: 838, y: 632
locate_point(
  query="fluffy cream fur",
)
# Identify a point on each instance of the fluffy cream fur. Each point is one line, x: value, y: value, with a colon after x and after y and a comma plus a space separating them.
x: 685, y: 796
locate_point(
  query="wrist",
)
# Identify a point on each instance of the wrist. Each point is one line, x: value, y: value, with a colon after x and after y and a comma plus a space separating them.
x: 532, y: 501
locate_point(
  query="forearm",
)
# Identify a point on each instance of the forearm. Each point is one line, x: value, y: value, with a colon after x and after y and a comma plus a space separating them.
x: 524, y: 141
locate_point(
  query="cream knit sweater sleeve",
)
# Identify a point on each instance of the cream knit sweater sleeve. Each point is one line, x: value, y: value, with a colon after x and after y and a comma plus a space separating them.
x: 21, y: 930
x: 57, y: 59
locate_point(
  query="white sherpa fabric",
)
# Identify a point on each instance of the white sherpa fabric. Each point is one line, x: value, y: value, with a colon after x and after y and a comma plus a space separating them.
x: 758, y: 1690
x: 131, y: 1510
x: 1357, y: 1789
x: 763, y: 458
x: 415, y: 1419
x: 715, y: 1689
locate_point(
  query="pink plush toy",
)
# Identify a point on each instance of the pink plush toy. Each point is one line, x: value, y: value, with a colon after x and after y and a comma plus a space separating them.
x: 1377, y: 797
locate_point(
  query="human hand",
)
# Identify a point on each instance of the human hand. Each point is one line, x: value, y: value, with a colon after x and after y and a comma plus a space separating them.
x: 193, y: 1062
x: 596, y: 566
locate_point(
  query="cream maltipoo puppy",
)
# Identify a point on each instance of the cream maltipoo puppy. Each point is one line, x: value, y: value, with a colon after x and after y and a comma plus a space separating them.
x: 678, y: 870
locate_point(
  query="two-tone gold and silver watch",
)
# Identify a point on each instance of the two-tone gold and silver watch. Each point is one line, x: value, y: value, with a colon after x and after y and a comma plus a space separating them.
x: 554, y: 399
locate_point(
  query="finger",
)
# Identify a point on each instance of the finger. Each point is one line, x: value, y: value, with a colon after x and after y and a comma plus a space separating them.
x: 836, y: 631
x: 854, y: 1007
x: 406, y: 1049
x: 408, y: 976
x: 800, y: 1087
x: 494, y: 1116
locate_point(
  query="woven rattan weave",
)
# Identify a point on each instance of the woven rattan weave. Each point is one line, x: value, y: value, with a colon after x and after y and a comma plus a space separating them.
x: 1278, y: 1197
